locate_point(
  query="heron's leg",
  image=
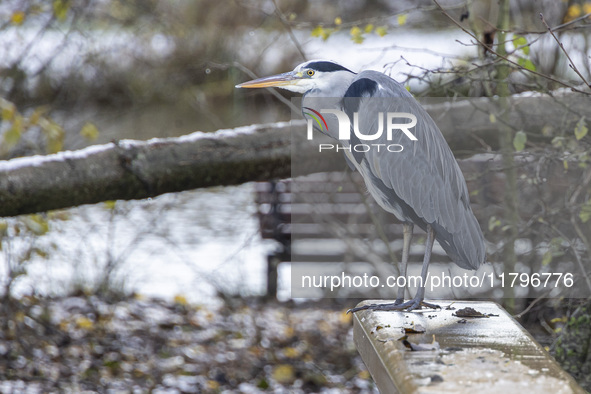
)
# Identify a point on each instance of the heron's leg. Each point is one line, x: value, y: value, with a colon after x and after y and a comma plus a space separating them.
x: 420, y: 296
x: 407, y: 229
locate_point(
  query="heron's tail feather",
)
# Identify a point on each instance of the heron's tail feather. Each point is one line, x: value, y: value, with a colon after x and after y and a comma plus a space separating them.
x: 466, y: 246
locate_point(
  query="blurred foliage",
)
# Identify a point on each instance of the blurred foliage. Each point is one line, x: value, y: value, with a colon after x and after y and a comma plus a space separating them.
x: 357, y: 33
x: 20, y: 244
x: 576, y: 10
x: 82, y: 343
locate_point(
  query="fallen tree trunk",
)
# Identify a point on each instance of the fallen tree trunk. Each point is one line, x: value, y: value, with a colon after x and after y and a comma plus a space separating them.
x: 134, y: 170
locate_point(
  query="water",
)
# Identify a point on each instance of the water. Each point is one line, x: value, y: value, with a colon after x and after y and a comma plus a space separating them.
x: 192, y: 244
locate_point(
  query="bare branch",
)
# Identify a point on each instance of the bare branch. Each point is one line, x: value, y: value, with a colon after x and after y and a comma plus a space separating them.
x: 571, y: 63
x: 520, y: 67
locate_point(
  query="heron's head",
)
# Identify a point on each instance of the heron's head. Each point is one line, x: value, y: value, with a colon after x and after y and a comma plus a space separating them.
x: 323, y: 76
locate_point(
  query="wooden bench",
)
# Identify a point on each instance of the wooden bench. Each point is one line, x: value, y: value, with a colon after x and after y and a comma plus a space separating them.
x: 455, y: 354
x: 318, y: 222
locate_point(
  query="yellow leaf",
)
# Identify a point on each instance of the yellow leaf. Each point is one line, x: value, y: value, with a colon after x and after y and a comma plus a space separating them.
x: 574, y: 11
x: 180, y: 299
x: 213, y: 385
x: 55, y: 145
x: 368, y: 28
x: 289, y: 332
x: 89, y: 131
x: 519, y: 141
x: 37, y: 114
x: 345, y: 318
x: 11, y: 137
x: 36, y: 223
x: 338, y: 20
x: 284, y: 373
x: 356, y: 35
x: 18, y: 18
x: 402, y: 19
x: 317, y: 31
x: 355, y: 31
x: 547, y: 258
x: 55, y: 136
x: 8, y: 111
x: 19, y: 317
x: 60, y: 9
x: 492, y: 118
x: 364, y: 374
x: 381, y: 31
x: 291, y: 352
x: 84, y: 323
x: 110, y: 205
x: 581, y: 129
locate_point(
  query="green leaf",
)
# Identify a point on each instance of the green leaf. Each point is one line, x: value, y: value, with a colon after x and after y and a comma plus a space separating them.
x: 520, y: 41
x: 585, y: 213
x: 581, y: 129
x: 11, y: 137
x: 558, y: 142
x: 493, y: 223
x: 526, y: 63
x: 547, y: 258
x: 519, y: 141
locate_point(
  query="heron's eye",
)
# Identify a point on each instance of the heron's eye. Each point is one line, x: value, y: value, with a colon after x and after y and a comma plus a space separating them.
x: 310, y: 73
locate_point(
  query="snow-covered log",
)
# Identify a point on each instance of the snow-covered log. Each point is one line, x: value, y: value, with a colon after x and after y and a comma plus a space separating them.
x: 130, y: 169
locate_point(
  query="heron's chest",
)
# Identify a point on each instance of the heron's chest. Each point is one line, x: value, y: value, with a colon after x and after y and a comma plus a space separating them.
x: 383, y: 196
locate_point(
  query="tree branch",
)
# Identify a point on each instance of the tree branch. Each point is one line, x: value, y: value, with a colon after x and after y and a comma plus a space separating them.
x: 571, y: 63
x: 134, y: 170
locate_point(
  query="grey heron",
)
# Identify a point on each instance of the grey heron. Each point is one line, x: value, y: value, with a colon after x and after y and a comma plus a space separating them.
x: 423, y: 185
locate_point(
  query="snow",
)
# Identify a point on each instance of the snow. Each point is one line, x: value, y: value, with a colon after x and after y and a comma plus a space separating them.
x: 40, y: 160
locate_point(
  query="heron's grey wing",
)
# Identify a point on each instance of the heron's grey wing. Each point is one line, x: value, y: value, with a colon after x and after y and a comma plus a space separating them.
x: 423, y: 182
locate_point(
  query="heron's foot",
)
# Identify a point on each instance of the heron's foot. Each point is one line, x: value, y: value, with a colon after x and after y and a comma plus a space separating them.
x: 397, y: 305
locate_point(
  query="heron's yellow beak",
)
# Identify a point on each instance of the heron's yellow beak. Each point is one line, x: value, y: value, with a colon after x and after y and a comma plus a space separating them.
x: 289, y: 78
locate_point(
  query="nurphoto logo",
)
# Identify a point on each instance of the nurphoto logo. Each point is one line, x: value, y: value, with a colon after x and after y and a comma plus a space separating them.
x: 344, y: 130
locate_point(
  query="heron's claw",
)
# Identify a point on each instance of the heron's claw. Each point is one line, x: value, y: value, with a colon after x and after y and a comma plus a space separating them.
x: 396, y: 306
